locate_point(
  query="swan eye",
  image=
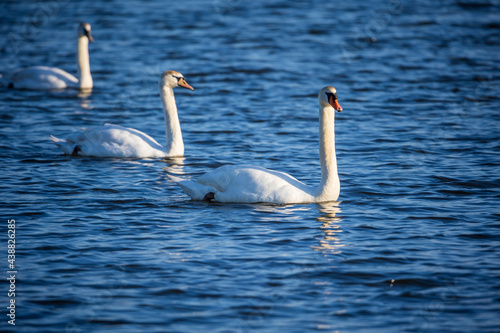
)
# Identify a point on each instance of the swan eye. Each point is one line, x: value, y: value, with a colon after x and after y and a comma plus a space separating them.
x: 328, y: 95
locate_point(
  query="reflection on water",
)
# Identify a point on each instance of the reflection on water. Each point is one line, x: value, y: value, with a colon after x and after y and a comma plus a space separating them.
x: 281, y: 209
x: 175, y: 165
x: 84, y: 95
x: 331, y: 227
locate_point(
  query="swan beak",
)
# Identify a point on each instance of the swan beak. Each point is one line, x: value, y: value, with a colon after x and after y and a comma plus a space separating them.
x: 335, y: 103
x: 182, y: 83
x: 89, y: 36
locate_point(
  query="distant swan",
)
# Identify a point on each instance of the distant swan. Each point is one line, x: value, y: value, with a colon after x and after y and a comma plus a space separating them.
x: 117, y: 141
x: 251, y: 184
x: 47, y: 78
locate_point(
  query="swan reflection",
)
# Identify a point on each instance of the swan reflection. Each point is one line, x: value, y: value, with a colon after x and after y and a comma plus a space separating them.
x: 175, y: 165
x: 331, y: 227
x: 84, y: 95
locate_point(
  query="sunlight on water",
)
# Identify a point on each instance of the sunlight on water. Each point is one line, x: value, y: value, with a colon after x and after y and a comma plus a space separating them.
x: 331, y: 226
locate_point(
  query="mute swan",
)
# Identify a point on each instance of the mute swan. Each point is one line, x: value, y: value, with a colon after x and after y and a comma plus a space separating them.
x: 117, y: 141
x: 46, y: 78
x: 251, y: 184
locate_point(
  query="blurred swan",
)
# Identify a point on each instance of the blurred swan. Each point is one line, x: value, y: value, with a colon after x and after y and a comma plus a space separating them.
x: 117, y: 141
x: 252, y: 184
x: 47, y: 78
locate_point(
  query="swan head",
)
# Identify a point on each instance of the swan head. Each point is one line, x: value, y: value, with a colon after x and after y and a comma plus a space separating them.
x: 174, y: 79
x: 328, y: 97
x: 84, y: 30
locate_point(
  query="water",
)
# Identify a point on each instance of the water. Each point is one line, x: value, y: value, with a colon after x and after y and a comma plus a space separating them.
x: 109, y: 245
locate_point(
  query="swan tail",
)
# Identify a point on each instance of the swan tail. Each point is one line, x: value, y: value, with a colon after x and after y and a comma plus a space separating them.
x: 194, y: 190
x: 68, y: 147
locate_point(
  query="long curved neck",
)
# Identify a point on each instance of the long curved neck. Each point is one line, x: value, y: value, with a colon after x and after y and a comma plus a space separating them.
x: 329, y: 187
x: 83, y: 63
x: 175, y: 145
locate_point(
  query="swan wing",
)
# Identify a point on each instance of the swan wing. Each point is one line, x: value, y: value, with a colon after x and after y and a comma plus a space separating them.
x: 40, y: 78
x: 133, y: 132
x: 110, y: 141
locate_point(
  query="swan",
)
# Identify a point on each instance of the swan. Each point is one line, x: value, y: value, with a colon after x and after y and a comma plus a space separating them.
x: 252, y: 184
x: 47, y: 78
x: 117, y: 141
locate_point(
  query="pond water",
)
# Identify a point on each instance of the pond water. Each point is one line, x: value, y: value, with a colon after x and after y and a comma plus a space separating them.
x: 112, y: 245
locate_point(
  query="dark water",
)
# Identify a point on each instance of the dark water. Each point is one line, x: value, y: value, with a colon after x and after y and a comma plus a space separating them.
x: 108, y: 245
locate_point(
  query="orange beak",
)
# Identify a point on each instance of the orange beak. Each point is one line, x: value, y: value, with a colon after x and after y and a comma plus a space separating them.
x: 184, y: 84
x: 335, y: 103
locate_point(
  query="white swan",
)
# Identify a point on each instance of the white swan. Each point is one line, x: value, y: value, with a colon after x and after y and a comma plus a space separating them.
x: 117, y: 141
x: 251, y: 184
x: 48, y: 78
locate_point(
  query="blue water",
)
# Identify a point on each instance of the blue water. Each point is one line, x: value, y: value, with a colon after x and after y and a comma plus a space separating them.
x: 110, y: 245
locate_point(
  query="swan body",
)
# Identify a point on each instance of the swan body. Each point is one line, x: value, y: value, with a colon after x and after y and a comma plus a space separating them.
x: 41, y: 78
x: 247, y: 184
x: 49, y: 78
x: 122, y: 142
x: 251, y: 184
x: 110, y: 141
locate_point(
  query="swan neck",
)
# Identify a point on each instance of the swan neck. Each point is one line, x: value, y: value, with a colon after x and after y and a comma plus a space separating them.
x: 329, y: 187
x: 83, y: 63
x: 174, y: 145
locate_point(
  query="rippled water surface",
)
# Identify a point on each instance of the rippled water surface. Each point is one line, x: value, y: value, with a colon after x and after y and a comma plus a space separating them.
x: 110, y: 245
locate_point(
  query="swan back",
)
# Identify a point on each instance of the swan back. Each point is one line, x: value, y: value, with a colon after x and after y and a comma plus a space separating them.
x: 247, y: 184
x: 41, y: 78
x: 110, y: 141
